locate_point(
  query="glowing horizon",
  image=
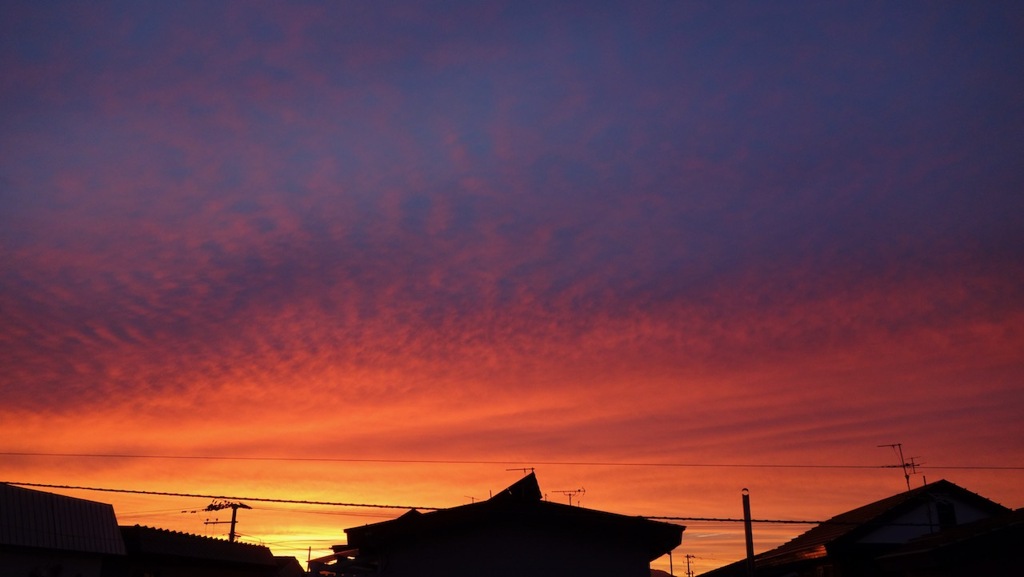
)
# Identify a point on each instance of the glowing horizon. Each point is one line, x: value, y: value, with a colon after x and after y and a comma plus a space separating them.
x: 435, y: 240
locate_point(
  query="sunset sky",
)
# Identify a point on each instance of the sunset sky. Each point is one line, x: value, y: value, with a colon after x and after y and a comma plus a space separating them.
x: 383, y: 252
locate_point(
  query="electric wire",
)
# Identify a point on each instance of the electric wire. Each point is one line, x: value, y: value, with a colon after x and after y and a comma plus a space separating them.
x: 224, y: 497
x: 425, y: 508
x: 499, y: 462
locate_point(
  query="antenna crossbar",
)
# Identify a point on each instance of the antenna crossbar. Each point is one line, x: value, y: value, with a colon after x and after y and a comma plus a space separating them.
x: 909, y: 467
x: 573, y: 493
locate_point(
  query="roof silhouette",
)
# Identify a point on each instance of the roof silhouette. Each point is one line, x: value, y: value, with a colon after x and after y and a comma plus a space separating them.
x: 862, y: 519
x: 850, y: 525
x: 139, y: 539
x: 520, y: 505
x: 525, y: 489
x: 49, y: 521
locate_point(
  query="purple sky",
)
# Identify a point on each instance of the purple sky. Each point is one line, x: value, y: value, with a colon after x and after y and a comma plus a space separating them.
x: 613, y: 231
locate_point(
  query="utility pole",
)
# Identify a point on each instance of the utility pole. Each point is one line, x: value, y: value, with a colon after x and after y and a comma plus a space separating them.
x: 218, y: 505
x: 749, y: 532
x: 689, y: 571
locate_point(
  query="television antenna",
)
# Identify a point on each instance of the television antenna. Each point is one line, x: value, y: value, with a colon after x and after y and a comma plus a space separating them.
x: 573, y: 493
x: 909, y: 467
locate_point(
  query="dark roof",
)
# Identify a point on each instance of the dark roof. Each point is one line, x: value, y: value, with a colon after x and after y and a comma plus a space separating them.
x: 521, y: 505
x: 289, y: 567
x: 1007, y: 528
x: 30, y: 518
x: 852, y: 524
x: 856, y: 522
x: 141, y: 540
x: 525, y: 489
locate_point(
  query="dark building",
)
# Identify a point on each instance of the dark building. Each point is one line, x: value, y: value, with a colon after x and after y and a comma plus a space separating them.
x: 43, y: 534
x: 514, y: 533
x: 987, y: 548
x: 48, y: 535
x: 289, y: 567
x: 852, y: 544
x: 152, y: 552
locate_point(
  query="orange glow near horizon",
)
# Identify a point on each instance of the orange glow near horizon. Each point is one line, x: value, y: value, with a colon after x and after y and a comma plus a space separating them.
x: 618, y: 416
x: 386, y: 254
x: 303, y: 530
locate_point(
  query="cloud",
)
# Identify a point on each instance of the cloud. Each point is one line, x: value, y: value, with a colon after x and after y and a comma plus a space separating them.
x: 512, y: 231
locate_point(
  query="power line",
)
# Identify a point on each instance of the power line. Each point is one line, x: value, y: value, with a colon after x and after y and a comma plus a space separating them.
x: 329, y: 503
x: 784, y: 521
x: 226, y: 497
x: 734, y: 520
x: 293, y: 511
x: 492, y: 462
x: 379, y: 506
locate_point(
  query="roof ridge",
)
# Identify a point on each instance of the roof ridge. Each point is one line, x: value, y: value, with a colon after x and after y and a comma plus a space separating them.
x: 193, y: 535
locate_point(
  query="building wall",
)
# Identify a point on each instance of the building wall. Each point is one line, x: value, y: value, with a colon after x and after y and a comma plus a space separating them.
x: 143, y: 566
x: 923, y: 520
x: 506, y: 552
x: 42, y: 563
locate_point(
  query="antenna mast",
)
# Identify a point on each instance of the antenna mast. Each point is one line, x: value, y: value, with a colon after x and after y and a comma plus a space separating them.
x: 909, y: 467
x: 573, y: 493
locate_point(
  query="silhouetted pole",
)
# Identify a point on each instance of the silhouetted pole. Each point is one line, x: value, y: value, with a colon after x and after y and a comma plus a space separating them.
x: 234, y: 518
x: 218, y: 505
x: 749, y: 531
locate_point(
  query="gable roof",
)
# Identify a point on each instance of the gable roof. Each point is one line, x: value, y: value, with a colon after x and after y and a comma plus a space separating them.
x: 520, y: 505
x: 38, y: 519
x: 525, y: 489
x: 847, y: 527
x: 289, y: 567
x: 856, y: 522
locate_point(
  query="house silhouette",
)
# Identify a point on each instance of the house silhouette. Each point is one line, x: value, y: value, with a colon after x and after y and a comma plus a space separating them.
x: 45, y: 534
x: 854, y: 543
x: 989, y: 547
x: 514, y: 533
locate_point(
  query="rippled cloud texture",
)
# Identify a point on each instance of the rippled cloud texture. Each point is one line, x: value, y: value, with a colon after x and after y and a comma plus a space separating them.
x: 661, y: 232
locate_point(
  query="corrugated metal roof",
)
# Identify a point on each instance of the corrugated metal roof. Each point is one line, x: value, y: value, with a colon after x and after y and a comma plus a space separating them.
x: 151, y: 541
x: 43, y: 520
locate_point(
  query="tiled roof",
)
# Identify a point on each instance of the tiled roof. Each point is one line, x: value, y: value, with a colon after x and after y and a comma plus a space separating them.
x: 30, y: 518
